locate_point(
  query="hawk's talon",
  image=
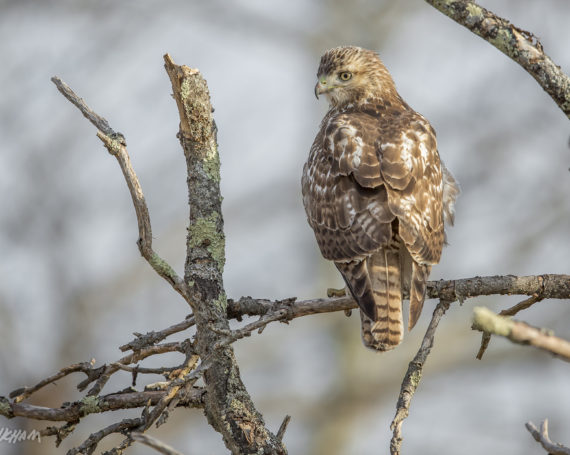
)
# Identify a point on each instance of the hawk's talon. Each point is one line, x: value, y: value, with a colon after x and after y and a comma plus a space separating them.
x: 332, y: 292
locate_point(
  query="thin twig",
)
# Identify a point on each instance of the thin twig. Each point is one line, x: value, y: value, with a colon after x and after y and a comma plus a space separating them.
x: 486, y: 336
x: 24, y: 392
x: 520, y: 332
x: 60, y: 433
x: 153, y: 337
x: 521, y: 46
x: 142, y: 370
x: 99, y: 122
x: 93, y: 440
x: 245, y: 331
x: 154, y: 443
x: 134, y: 357
x: 283, y: 427
x: 189, y: 365
x: 413, y: 377
x: 117, y: 146
x: 542, y: 437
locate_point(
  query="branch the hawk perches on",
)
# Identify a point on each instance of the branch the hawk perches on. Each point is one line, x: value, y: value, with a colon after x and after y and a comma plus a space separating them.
x: 376, y: 192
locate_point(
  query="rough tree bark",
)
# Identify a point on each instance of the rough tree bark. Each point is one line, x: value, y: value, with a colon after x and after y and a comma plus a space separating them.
x: 228, y: 406
x: 518, y: 44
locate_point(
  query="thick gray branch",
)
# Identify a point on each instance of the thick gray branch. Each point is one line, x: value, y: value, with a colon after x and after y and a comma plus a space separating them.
x: 228, y: 406
x: 521, y: 46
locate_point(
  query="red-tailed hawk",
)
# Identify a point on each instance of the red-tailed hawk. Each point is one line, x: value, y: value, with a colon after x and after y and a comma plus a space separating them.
x: 376, y: 192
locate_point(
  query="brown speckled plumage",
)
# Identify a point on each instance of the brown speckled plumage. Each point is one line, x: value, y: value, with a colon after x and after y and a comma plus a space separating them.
x: 375, y: 192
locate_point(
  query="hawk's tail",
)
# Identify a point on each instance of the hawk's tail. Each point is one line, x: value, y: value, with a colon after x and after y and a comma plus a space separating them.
x: 376, y: 285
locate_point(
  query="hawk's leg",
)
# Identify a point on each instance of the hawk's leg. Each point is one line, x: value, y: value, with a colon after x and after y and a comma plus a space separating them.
x: 332, y: 292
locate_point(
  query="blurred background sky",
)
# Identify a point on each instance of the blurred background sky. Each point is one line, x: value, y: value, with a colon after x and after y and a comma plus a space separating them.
x: 73, y: 285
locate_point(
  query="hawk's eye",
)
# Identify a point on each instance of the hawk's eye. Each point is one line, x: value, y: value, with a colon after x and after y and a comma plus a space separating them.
x: 345, y: 76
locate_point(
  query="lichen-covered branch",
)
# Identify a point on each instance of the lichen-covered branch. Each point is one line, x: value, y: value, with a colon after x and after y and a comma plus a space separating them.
x: 521, y: 46
x: 117, y: 146
x: 76, y: 410
x: 485, y: 320
x: 511, y: 311
x: 413, y: 377
x: 546, y: 286
x: 542, y: 437
x: 228, y: 407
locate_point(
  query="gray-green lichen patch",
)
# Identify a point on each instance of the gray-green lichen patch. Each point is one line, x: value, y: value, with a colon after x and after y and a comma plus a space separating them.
x: 485, y: 320
x: 113, y: 143
x: 197, y: 109
x: 185, y: 90
x: 415, y: 378
x: 204, y: 232
x: 5, y: 408
x: 474, y: 10
x: 222, y: 302
x: 212, y: 164
x: 503, y: 42
x: 89, y: 405
x: 475, y: 14
x: 161, y: 266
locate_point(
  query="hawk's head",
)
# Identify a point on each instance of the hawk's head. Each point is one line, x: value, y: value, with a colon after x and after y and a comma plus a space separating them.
x: 349, y: 74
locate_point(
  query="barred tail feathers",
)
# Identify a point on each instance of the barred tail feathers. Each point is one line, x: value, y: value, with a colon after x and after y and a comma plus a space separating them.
x: 387, y: 331
x: 375, y: 283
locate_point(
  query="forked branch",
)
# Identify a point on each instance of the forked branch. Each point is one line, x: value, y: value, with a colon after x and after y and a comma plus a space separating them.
x: 541, y: 436
x: 485, y: 320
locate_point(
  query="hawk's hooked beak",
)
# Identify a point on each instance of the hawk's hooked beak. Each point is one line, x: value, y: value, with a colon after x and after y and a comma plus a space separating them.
x: 322, y: 87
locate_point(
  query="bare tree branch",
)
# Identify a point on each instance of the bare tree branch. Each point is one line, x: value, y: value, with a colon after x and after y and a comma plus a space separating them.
x: 104, y: 374
x: 521, y: 46
x: 117, y: 146
x: 548, y: 286
x: 527, y: 303
x: 93, y: 440
x: 283, y: 427
x: 153, y: 337
x: 519, y: 332
x: 542, y: 437
x: 183, y: 374
x: 25, y: 392
x: 72, y: 412
x: 228, y: 407
x: 413, y: 377
x: 156, y: 444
